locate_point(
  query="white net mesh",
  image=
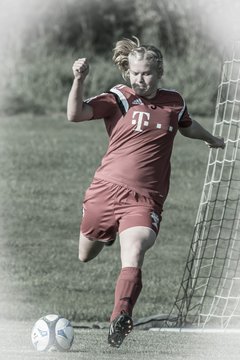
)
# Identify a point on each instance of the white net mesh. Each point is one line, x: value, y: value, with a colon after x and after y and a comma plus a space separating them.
x: 209, y: 294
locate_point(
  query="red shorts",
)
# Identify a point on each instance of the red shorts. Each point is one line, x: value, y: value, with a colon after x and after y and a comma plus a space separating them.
x: 109, y: 209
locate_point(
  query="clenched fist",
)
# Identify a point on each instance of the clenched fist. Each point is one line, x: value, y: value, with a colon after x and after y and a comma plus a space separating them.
x: 216, y: 143
x: 80, y: 68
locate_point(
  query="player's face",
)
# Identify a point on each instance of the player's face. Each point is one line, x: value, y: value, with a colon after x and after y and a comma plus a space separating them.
x: 143, y: 76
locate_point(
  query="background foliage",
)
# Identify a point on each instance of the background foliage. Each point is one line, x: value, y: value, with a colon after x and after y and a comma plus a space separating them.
x: 36, y: 66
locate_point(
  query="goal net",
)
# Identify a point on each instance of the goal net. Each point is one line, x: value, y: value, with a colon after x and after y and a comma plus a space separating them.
x: 209, y: 295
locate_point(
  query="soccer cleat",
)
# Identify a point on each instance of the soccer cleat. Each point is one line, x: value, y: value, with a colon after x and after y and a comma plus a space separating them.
x: 119, y: 329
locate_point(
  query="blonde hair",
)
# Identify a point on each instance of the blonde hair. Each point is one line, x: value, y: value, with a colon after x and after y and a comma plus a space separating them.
x: 128, y: 48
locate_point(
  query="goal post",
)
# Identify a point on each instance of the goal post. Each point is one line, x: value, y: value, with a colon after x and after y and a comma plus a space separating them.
x: 209, y: 294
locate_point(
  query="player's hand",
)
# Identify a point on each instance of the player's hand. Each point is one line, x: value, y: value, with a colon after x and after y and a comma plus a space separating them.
x: 80, y: 68
x: 216, y: 143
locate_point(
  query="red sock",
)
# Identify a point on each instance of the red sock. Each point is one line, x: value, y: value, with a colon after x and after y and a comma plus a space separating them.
x: 127, y: 290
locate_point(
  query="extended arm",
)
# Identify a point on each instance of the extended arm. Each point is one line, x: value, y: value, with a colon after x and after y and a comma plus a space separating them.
x: 77, y: 110
x: 196, y: 131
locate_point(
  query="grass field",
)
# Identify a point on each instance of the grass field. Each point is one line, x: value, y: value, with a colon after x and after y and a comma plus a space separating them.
x: 46, y: 165
x: 89, y: 344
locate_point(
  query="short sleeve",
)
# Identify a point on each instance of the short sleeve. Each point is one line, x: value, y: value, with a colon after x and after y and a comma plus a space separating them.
x: 103, y: 105
x: 184, y: 119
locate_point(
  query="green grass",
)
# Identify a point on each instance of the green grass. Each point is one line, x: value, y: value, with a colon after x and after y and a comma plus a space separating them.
x: 92, y: 344
x: 46, y: 164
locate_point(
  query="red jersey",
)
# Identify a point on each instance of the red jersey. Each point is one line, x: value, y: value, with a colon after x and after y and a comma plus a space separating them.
x: 141, y: 134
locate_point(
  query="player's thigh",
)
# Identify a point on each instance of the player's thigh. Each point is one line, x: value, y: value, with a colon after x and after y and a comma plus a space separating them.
x: 98, y: 221
x: 88, y: 248
x: 134, y: 242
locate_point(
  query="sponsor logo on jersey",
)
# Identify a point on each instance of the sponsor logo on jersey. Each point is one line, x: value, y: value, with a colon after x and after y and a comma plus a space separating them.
x: 140, y: 118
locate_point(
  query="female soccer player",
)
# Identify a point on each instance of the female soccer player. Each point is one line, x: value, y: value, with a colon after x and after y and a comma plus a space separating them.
x: 129, y: 188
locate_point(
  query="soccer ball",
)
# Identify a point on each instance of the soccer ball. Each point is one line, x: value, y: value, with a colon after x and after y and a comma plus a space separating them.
x: 52, y: 333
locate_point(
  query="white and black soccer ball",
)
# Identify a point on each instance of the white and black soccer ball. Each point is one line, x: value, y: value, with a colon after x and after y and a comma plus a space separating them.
x: 52, y: 333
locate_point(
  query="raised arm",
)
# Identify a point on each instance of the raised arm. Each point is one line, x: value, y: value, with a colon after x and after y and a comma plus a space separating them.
x: 77, y: 110
x: 196, y: 131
